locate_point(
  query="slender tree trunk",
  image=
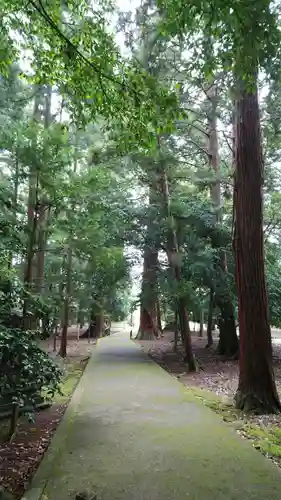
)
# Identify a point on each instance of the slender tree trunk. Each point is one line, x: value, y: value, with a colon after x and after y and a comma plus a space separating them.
x: 42, y: 222
x: 28, y: 319
x: 210, y: 320
x: 201, y: 323
x: 44, y: 210
x: 174, y: 263
x: 15, y: 202
x: 28, y: 316
x: 7, y: 284
x: 67, y: 296
x: 228, y: 341
x: 176, y: 332
x: 256, y: 389
x: 66, y: 304
x: 158, y: 313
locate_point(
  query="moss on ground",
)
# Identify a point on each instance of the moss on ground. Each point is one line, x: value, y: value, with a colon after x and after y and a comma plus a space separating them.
x: 4, y: 429
x: 71, y: 377
x: 266, y: 439
x: 222, y: 406
x: 73, y: 370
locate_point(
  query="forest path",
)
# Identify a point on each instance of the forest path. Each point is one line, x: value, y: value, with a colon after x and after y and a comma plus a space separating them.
x: 132, y: 432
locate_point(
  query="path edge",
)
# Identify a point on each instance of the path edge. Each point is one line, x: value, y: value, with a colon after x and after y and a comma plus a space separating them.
x: 41, y: 477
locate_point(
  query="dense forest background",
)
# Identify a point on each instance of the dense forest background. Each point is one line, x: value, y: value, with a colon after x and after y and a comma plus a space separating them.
x: 168, y: 147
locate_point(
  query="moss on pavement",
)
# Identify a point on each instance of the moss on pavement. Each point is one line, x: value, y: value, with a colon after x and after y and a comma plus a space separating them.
x: 266, y: 438
x: 132, y: 432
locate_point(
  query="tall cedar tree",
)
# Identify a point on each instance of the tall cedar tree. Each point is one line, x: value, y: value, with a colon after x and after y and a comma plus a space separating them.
x: 256, y: 390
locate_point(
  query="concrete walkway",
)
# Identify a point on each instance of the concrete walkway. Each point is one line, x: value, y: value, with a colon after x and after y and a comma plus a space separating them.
x: 132, y: 432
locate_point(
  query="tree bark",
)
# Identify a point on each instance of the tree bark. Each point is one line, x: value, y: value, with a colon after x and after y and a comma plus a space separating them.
x: 148, y: 325
x: 158, y: 314
x: 67, y: 294
x: 256, y: 390
x: 210, y: 320
x: 99, y: 324
x: 66, y: 304
x: 44, y: 210
x: 176, y: 331
x: 174, y: 263
x: 228, y: 341
x: 201, y: 329
x: 148, y: 328
x: 29, y: 320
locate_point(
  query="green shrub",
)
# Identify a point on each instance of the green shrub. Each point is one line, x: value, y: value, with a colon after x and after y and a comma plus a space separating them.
x: 25, y: 368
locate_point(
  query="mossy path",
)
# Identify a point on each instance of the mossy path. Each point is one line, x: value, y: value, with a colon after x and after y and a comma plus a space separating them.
x: 132, y: 432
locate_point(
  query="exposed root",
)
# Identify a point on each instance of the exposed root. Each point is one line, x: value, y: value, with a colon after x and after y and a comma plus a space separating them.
x: 146, y: 335
x: 258, y: 404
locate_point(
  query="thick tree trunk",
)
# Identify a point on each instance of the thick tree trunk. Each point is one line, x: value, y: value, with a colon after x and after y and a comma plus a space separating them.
x: 148, y: 328
x: 95, y: 329
x: 100, y: 324
x: 256, y: 389
x: 90, y: 332
x: 228, y: 343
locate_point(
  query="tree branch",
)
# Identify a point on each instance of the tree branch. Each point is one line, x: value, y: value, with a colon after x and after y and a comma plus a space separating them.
x: 44, y: 14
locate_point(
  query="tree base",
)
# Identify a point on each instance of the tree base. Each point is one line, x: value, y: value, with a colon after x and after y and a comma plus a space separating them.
x: 228, y: 355
x: 170, y: 327
x: 258, y: 404
x: 146, y: 335
x: 192, y: 364
x: 209, y: 345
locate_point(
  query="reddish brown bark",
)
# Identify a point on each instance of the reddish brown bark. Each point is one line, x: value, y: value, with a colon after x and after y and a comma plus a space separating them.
x: 256, y: 390
x: 148, y: 328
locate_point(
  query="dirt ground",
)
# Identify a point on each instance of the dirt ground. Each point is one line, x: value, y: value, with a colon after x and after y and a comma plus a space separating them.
x: 221, y: 379
x: 215, y: 374
x: 21, y: 457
